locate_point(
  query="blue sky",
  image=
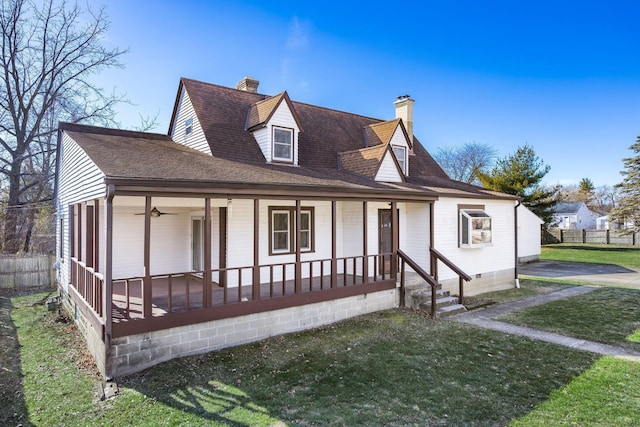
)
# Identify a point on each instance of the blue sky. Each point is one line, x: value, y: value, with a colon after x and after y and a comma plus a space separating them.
x: 563, y: 76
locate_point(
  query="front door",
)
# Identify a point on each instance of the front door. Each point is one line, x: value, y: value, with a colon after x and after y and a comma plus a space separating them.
x: 385, y: 236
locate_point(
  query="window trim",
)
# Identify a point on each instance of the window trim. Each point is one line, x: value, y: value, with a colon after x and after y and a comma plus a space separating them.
x: 188, y: 126
x: 462, y: 214
x: 273, y: 145
x: 403, y: 163
x: 291, y: 211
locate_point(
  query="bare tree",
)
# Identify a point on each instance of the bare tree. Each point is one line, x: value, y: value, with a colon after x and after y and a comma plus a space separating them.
x: 50, y: 52
x: 462, y: 163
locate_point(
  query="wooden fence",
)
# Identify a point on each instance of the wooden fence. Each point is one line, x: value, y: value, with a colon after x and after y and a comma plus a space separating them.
x: 608, y: 237
x: 26, y: 271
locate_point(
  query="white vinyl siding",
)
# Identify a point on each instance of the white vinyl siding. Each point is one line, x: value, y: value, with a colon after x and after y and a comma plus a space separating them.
x: 528, y: 234
x: 196, y: 138
x: 79, y: 180
x: 485, y: 260
x: 170, y: 242
x: 414, y: 232
x: 388, y: 171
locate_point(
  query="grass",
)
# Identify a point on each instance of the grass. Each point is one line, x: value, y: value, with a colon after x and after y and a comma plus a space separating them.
x: 624, y: 256
x: 389, y: 368
x: 607, y: 315
x: 528, y: 288
x: 605, y: 395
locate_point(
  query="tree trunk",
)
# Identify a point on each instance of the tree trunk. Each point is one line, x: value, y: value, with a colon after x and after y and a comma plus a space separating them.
x: 11, y: 236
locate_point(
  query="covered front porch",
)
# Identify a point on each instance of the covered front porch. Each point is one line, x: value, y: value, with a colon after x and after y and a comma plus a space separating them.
x: 142, y: 263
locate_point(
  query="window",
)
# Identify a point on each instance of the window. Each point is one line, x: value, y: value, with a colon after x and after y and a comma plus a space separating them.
x: 280, y: 234
x: 401, y: 155
x: 282, y: 230
x: 475, y: 228
x: 282, y: 144
x: 188, y: 126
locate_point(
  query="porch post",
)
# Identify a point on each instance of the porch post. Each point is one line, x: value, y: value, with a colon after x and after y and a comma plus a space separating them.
x: 256, y: 249
x: 334, y: 261
x: 89, y: 241
x: 96, y: 235
x: 107, y: 299
x: 206, y: 299
x: 79, y: 233
x: 395, y: 240
x: 72, y: 231
x: 146, y: 286
x: 298, y: 278
x: 365, y: 249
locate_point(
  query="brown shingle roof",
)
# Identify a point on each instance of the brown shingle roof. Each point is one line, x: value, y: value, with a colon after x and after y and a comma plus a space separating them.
x: 155, y: 157
x: 223, y: 113
x: 262, y: 111
x: 365, y: 161
x: 380, y: 133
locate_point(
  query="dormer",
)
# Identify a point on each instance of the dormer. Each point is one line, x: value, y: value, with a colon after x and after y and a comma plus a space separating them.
x: 275, y: 125
x: 386, y: 157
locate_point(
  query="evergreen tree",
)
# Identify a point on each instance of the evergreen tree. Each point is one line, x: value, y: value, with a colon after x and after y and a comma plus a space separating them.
x: 586, y: 191
x: 520, y: 174
x: 628, y: 209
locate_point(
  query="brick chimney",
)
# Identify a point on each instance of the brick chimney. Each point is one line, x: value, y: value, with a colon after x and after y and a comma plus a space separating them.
x: 248, y: 84
x: 404, y: 111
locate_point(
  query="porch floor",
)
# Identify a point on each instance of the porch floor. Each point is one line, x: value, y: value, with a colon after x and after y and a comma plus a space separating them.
x: 185, y: 292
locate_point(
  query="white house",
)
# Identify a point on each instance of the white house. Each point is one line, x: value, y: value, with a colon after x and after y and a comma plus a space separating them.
x: 574, y: 215
x: 257, y: 215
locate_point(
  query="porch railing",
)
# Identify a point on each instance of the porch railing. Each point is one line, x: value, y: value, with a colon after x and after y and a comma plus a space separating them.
x: 187, y: 291
x: 88, y: 283
x: 431, y: 279
x: 462, y: 276
x: 406, y: 259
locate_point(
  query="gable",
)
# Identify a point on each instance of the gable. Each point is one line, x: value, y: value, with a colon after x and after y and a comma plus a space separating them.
x: 388, y: 170
x: 78, y: 178
x: 186, y: 128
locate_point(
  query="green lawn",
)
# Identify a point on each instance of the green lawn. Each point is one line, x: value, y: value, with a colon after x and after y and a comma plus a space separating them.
x: 607, y: 315
x: 624, y: 256
x: 389, y: 368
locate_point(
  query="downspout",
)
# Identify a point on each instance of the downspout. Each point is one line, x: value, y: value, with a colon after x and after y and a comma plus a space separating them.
x: 515, y: 235
x: 108, y: 285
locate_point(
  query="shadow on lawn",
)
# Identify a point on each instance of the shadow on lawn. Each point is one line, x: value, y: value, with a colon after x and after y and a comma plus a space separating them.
x: 13, y: 410
x: 197, y: 394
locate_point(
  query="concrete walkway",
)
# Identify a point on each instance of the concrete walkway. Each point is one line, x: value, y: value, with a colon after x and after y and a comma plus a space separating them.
x: 484, y: 319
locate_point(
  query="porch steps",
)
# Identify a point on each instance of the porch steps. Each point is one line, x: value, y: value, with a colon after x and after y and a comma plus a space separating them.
x: 446, y: 305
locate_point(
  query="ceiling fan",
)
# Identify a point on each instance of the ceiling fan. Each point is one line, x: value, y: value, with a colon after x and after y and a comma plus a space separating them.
x: 155, y: 213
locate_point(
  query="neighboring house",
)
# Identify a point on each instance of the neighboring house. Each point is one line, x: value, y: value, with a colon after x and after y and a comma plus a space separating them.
x: 604, y: 223
x: 574, y: 215
x: 255, y: 216
x: 529, y: 235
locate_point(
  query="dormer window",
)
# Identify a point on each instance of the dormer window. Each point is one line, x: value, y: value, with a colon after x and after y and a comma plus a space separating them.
x: 283, y: 145
x: 401, y: 155
x: 188, y: 126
